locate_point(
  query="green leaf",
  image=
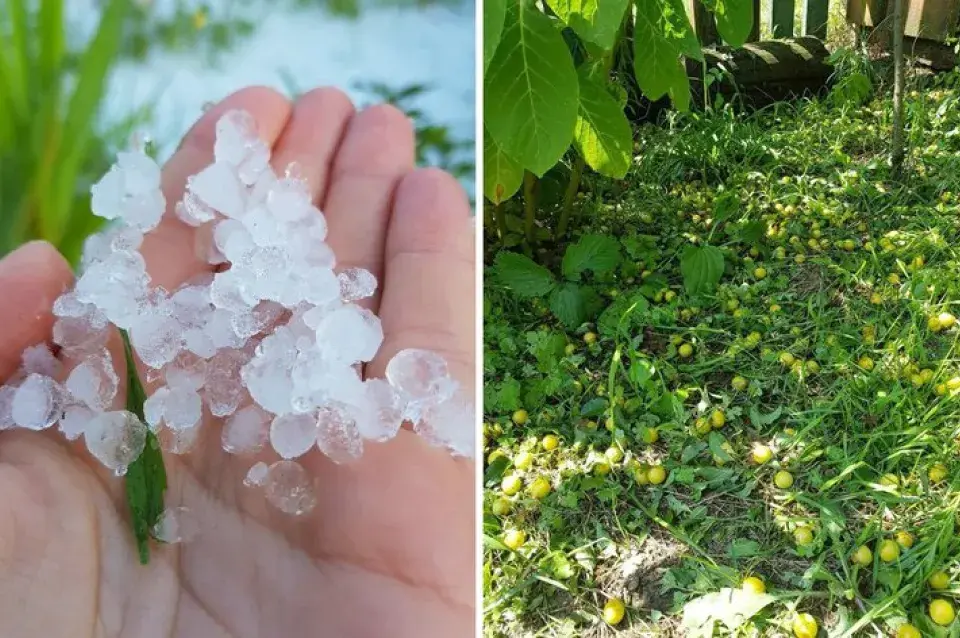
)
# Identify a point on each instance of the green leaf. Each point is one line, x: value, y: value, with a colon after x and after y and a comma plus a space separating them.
x: 597, y: 21
x: 573, y: 304
x: 744, y: 548
x: 597, y: 253
x: 752, y: 232
x: 522, y: 275
x: 734, y: 20
x: 146, y: 478
x: 594, y: 407
x: 602, y: 134
x: 494, y: 12
x: 502, y: 176
x: 622, y: 315
x: 716, y: 440
x: 662, y: 33
x: 732, y: 607
x: 760, y: 420
x: 701, y: 267
x: 531, y: 91
x: 726, y: 206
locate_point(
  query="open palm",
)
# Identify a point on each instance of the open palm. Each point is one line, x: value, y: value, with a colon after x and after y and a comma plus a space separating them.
x: 387, y: 551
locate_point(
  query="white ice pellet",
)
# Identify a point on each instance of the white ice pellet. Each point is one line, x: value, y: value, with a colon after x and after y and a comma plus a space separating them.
x: 176, y: 525
x: 36, y: 404
x: 6, y: 407
x: 94, y: 382
x: 38, y: 359
x: 246, y: 431
x: 115, y: 439
x: 289, y: 488
x: 257, y: 474
x: 338, y: 436
x: 350, y: 334
x: 356, y: 284
x: 75, y: 420
x: 292, y: 435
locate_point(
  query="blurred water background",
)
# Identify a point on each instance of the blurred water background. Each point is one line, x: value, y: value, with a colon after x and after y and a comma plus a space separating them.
x: 78, y: 77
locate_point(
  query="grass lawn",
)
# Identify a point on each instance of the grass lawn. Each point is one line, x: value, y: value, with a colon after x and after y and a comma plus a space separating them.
x: 655, y: 440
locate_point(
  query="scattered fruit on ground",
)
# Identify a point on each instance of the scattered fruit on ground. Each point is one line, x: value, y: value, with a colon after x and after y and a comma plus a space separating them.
x: 613, y: 611
x: 939, y: 580
x: 754, y: 584
x: 941, y: 612
x: 514, y: 538
x: 863, y: 556
x: 906, y: 630
x: 783, y: 479
x: 889, y: 551
x: 805, y: 626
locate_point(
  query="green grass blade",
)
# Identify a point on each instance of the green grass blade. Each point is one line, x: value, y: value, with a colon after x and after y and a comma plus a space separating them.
x: 80, y: 121
x: 18, y: 53
x: 50, y: 29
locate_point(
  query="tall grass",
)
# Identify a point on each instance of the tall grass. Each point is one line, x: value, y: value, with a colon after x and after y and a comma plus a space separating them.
x: 49, y: 100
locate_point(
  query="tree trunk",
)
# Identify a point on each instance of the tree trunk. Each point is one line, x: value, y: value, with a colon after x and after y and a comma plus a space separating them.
x: 897, y: 151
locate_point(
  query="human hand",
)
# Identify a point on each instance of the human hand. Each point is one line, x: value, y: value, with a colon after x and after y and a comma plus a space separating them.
x: 389, y: 548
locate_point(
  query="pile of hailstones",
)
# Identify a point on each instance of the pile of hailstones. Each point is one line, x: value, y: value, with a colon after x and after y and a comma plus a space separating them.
x: 272, y: 342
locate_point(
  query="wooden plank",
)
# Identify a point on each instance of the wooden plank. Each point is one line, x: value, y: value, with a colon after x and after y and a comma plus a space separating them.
x: 754, y: 35
x: 815, y: 13
x: 781, y: 18
x: 702, y: 21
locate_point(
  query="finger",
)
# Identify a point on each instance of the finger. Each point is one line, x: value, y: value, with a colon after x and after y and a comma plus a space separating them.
x: 169, y: 250
x: 376, y: 152
x: 312, y: 135
x: 429, y: 284
x: 31, y: 278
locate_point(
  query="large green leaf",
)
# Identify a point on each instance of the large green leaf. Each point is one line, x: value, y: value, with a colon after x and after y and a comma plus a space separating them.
x: 502, y: 176
x: 573, y: 304
x: 597, y: 253
x: 662, y: 34
x: 734, y: 20
x: 701, y: 267
x: 523, y: 275
x: 597, y: 21
x: 494, y: 12
x: 531, y: 91
x: 602, y: 135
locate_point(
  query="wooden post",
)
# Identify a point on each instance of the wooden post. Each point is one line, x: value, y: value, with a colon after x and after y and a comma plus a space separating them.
x: 815, y: 18
x: 781, y: 18
x: 703, y: 22
x: 755, y: 29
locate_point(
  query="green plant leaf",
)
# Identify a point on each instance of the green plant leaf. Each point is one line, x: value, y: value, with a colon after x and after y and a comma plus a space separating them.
x: 701, y: 267
x: 734, y: 20
x: 597, y: 253
x: 502, y: 176
x: 597, y: 21
x: 662, y: 33
x: 531, y: 91
x: 573, y: 304
x: 732, y: 607
x: 522, y: 275
x: 623, y: 314
x: 602, y: 133
x: 146, y: 478
x: 494, y: 12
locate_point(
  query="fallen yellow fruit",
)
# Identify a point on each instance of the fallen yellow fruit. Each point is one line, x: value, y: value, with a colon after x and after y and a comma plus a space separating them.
x: 523, y: 460
x: 761, y: 454
x: 863, y: 556
x: 906, y: 630
x: 805, y: 626
x: 539, y: 488
x: 520, y: 417
x: 889, y: 551
x: 754, y: 584
x: 937, y: 473
x: 613, y: 611
x: 514, y: 539
x: 941, y: 612
x: 511, y: 484
x: 803, y: 535
x: 686, y: 351
x: 656, y: 475
x: 783, y: 479
x: 904, y: 539
x: 939, y: 580
x: 501, y: 506
x: 550, y: 442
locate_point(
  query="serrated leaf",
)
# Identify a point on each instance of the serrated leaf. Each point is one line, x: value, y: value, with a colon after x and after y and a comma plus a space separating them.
x: 744, y: 548
x: 602, y: 133
x: 732, y: 607
x: 760, y: 420
x: 494, y: 472
x: 701, y: 267
x: 594, y: 407
x: 596, y: 21
x: 715, y: 441
x: 734, y: 20
x: 597, y: 253
x: 624, y: 313
x: 522, y: 275
x: 531, y: 93
x: 725, y: 206
x: 494, y: 12
x: 573, y: 304
x: 752, y: 232
x: 502, y: 176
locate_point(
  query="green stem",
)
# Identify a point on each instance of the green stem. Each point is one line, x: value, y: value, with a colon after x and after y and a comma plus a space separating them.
x: 573, y: 187
x: 501, y: 218
x: 529, y: 204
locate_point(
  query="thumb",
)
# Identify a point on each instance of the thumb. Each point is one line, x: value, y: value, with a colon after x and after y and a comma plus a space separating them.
x: 31, y: 278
